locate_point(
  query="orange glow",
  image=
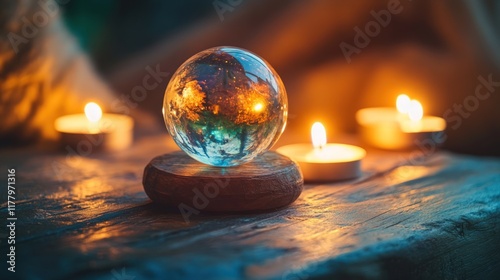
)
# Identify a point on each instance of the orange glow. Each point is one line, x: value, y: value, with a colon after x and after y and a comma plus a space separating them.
x: 415, y: 111
x: 318, y: 135
x: 93, y: 112
x: 403, y: 103
x: 258, y: 107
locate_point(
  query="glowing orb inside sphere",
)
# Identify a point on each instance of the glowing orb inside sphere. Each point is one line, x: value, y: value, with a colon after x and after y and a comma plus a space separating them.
x: 224, y: 106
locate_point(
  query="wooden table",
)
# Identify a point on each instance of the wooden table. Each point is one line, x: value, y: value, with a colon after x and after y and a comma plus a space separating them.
x: 89, y: 218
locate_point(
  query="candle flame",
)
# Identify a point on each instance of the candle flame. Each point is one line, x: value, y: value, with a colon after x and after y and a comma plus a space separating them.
x: 403, y: 103
x: 93, y: 112
x: 318, y: 135
x: 415, y: 111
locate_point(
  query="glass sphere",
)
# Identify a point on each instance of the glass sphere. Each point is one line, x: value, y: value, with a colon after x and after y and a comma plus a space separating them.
x: 224, y: 106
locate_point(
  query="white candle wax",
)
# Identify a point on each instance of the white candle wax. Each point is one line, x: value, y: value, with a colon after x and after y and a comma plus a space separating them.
x: 397, y: 129
x: 326, y: 162
x: 101, y: 131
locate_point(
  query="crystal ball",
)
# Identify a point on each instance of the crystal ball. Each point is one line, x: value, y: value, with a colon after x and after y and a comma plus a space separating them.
x: 224, y: 106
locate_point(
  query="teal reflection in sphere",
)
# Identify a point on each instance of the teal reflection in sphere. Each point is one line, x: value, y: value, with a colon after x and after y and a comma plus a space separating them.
x: 224, y: 106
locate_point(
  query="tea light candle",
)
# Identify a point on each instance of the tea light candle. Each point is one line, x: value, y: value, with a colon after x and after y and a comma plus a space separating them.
x: 95, y: 130
x: 322, y: 162
x: 398, y: 128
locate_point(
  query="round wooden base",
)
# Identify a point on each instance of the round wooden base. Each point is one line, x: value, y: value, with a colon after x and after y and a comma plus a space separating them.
x: 269, y: 181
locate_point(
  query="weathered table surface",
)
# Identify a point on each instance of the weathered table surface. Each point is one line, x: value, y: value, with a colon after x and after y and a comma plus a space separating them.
x: 89, y: 218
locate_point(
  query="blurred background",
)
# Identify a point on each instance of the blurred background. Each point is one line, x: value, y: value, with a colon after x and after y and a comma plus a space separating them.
x: 335, y: 57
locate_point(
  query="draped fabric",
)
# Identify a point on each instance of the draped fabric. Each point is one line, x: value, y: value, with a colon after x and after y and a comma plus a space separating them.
x: 43, y: 74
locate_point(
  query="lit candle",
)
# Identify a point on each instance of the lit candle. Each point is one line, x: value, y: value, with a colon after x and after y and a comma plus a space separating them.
x: 322, y: 162
x: 398, y: 128
x: 95, y: 130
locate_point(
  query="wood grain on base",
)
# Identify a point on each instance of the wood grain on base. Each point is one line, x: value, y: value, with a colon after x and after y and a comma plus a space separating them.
x: 270, y: 181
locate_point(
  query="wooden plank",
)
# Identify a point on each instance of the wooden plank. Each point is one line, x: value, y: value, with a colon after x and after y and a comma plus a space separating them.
x: 92, y: 220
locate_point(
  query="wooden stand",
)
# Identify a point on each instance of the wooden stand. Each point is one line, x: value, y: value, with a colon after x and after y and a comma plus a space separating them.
x: 176, y: 180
